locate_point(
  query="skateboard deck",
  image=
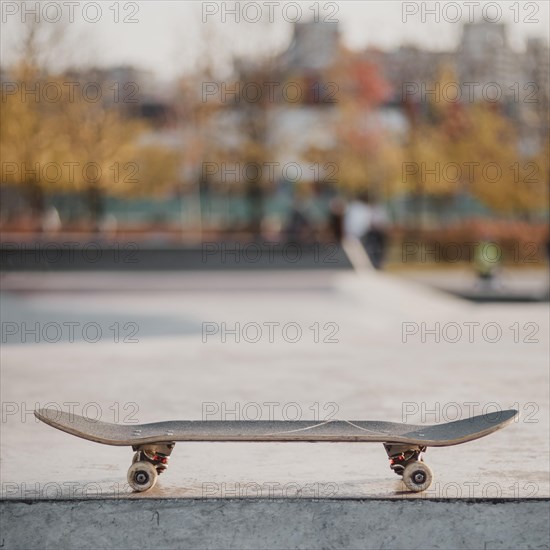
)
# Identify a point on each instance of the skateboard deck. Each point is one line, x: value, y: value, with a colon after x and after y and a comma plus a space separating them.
x: 153, y: 443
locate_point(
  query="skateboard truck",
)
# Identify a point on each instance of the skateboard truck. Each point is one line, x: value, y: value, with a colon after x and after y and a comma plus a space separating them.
x: 148, y: 462
x: 405, y: 461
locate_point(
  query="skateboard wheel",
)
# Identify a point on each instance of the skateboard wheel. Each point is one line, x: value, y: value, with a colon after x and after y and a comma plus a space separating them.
x: 142, y: 476
x: 417, y: 476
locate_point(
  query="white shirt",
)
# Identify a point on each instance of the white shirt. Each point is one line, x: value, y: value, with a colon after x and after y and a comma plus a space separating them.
x: 357, y: 219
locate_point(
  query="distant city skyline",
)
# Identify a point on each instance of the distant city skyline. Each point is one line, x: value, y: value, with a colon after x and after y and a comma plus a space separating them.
x: 166, y: 37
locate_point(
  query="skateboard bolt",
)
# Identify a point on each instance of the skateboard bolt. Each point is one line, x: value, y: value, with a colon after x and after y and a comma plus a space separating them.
x: 141, y: 478
x: 419, y: 477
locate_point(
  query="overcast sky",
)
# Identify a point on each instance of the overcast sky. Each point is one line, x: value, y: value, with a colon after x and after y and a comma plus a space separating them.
x: 169, y: 36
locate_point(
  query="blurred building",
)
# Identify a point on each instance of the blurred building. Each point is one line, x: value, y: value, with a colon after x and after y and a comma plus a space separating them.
x: 314, y: 47
x: 536, y: 68
x: 310, y: 123
x: 409, y: 65
x: 293, y: 110
x: 484, y: 57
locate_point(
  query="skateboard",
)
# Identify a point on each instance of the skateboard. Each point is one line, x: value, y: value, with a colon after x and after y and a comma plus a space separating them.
x: 153, y: 443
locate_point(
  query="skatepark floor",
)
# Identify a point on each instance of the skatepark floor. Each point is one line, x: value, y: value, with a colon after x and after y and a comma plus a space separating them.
x: 368, y: 350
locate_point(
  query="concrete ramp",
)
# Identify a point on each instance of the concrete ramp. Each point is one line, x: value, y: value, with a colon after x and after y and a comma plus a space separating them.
x: 274, y: 524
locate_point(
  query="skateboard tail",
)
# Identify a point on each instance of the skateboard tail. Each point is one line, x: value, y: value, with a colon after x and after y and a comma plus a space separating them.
x: 49, y: 417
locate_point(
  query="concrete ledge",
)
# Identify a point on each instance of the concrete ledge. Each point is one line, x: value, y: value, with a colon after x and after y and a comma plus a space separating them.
x: 132, y: 257
x: 272, y: 524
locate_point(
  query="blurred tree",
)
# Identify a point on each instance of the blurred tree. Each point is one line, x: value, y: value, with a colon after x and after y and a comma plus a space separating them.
x: 487, y: 155
x: 367, y: 156
x: 54, y: 137
x: 28, y: 121
x: 25, y: 137
x: 75, y: 144
x: 102, y: 143
x: 473, y: 148
x: 504, y: 180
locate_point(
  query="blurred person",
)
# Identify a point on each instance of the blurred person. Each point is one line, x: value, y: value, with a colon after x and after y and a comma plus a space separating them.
x: 51, y: 221
x: 337, y: 208
x: 357, y: 217
x: 486, y: 267
x: 272, y: 227
x: 367, y: 222
x: 376, y: 238
x: 109, y: 224
x: 299, y: 227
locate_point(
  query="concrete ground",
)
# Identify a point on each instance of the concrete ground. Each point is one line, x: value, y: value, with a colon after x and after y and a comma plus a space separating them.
x: 149, y: 347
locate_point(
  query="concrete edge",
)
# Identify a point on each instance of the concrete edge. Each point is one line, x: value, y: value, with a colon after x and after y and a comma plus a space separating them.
x: 139, y: 498
x: 276, y: 523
